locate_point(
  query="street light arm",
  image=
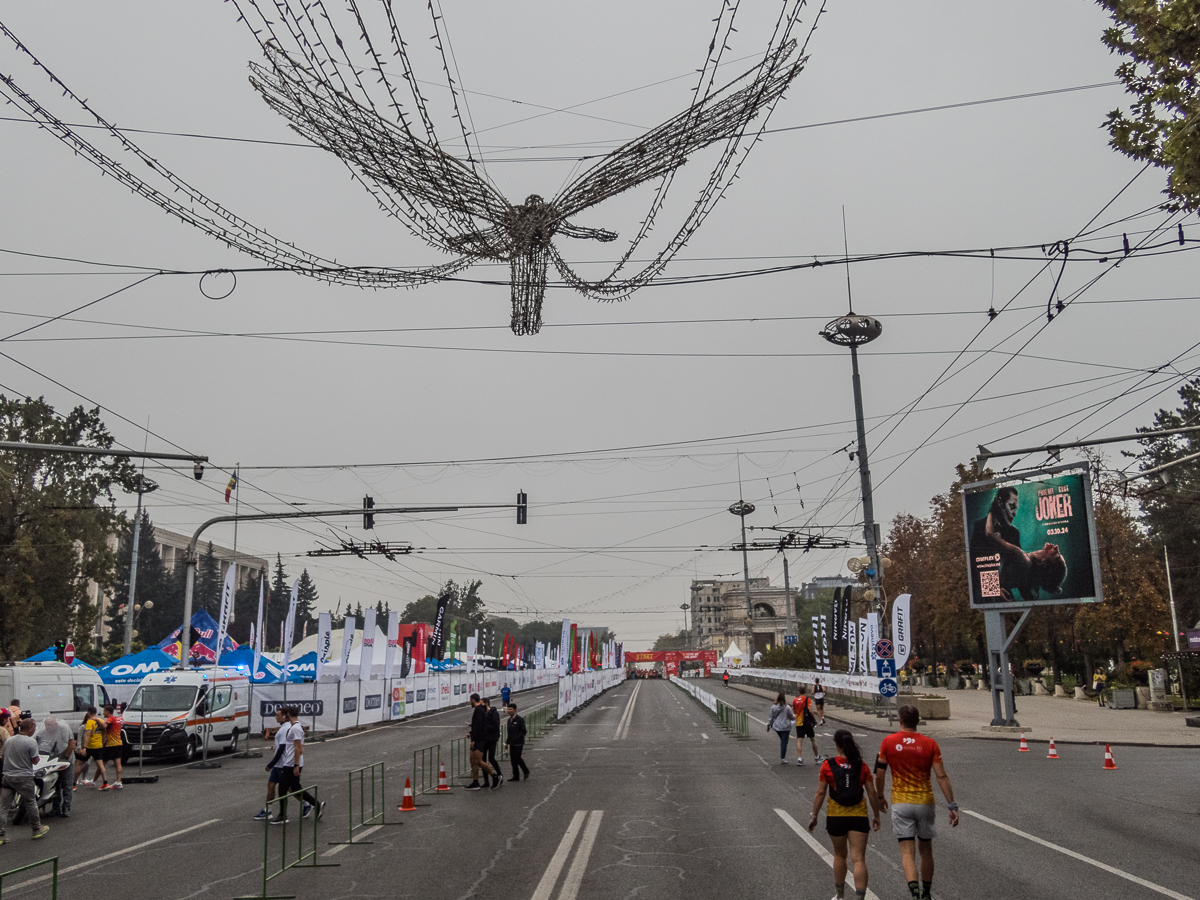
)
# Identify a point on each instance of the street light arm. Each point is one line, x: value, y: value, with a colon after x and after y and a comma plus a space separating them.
x: 98, y: 451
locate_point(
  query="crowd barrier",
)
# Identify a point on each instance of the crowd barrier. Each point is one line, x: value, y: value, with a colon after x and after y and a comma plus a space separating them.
x: 860, y: 692
x: 304, y: 858
x: 372, y: 804
x: 331, y: 705
x: 729, y: 718
x: 576, y: 690
x: 52, y: 862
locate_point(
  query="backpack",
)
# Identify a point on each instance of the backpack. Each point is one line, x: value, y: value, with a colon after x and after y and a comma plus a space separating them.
x: 847, y: 787
x: 806, y: 716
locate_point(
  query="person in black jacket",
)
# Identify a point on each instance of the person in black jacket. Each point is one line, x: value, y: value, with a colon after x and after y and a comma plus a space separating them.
x: 516, y: 742
x: 478, y: 737
x: 493, y: 738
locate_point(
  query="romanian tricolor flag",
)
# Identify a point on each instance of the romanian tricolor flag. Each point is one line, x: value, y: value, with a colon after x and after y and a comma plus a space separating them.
x: 229, y: 488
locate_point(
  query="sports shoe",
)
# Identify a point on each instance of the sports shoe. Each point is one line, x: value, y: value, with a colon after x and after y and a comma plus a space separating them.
x: 261, y: 814
x: 3, y: 840
x: 279, y: 821
x: 307, y: 811
x: 799, y: 762
x: 499, y: 780
x: 321, y: 810
x: 41, y: 832
x: 105, y: 787
x: 117, y: 786
x: 87, y: 781
x: 474, y: 786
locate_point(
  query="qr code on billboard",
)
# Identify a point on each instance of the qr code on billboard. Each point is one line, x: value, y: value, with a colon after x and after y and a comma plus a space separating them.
x: 989, y: 584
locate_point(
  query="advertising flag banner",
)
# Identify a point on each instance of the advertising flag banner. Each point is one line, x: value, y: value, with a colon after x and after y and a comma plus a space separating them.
x: 289, y: 626
x: 347, y: 646
x: 862, y: 648
x: 407, y: 647
x: 472, y: 651
x: 226, y: 608
x: 564, y: 641
x: 1032, y: 540
x: 367, y: 656
x: 256, y: 632
x: 574, y: 649
x: 902, y: 629
x: 825, y: 644
x: 872, y: 637
x: 453, y: 641
x: 393, y: 637
x: 539, y: 661
x: 852, y: 647
x: 438, y: 639
x: 817, y: 644
x: 324, y: 641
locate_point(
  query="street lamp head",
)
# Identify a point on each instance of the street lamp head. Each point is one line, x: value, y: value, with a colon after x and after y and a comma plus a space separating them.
x: 852, y: 330
x: 742, y: 508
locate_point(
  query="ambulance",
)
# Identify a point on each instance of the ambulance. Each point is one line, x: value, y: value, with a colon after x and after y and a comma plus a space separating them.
x: 52, y: 689
x: 177, y: 712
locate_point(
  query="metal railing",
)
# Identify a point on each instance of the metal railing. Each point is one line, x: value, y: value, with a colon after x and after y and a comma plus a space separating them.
x: 53, y: 876
x: 460, y: 760
x: 729, y: 718
x: 426, y: 765
x: 372, y: 802
x: 305, y: 859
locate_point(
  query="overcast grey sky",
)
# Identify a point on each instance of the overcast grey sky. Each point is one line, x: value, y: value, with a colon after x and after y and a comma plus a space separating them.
x: 309, y: 378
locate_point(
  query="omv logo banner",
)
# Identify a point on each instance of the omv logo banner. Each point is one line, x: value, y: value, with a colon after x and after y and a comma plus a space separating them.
x: 138, y: 669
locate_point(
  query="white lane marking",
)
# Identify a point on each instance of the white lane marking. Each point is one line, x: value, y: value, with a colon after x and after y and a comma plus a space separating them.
x: 340, y: 847
x: 1079, y: 856
x: 570, y: 888
x: 559, y: 859
x: 816, y: 845
x: 623, y: 725
x: 695, y: 724
x: 759, y: 721
x: 703, y: 735
x: 116, y: 853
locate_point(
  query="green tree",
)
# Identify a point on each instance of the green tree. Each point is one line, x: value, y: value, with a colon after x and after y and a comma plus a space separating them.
x: 159, y: 612
x: 306, y: 603
x: 677, y: 641
x: 1159, y: 42
x: 56, y: 512
x: 206, y: 593
x: 276, y: 612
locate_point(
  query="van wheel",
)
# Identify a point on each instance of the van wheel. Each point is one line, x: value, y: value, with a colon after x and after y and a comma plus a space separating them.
x: 190, y: 750
x: 233, y: 743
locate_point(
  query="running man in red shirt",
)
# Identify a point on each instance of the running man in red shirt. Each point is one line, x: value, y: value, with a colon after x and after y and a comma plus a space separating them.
x: 911, y: 757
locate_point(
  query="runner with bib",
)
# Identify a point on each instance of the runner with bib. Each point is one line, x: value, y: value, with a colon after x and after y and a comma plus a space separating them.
x: 849, y: 783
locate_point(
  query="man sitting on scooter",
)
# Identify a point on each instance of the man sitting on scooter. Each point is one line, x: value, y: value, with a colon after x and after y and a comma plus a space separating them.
x: 20, y: 756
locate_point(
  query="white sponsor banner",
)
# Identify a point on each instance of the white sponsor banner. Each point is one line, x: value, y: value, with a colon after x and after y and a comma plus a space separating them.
x: 366, y: 656
x: 256, y: 633
x: 862, y: 647
x: 852, y: 647
x: 564, y: 658
x: 324, y: 641
x: 347, y: 646
x: 226, y: 608
x: 289, y: 626
x: 393, y: 638
x: 902, y: 629
x: 872, y: 637
x: 472, y: 652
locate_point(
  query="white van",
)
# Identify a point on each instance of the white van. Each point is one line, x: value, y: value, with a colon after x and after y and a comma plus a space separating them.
x: 172, y: 713
x: 52, y: 689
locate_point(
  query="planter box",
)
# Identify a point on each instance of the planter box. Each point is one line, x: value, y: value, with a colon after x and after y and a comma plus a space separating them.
x: 933, y: 707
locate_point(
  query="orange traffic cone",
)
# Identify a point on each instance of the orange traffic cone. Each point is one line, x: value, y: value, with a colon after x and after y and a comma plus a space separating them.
x: 1024, y: 748
x: 443, y: 785
x: 1108, y: 760
x: 408, y: 805
x: 1053, y: 754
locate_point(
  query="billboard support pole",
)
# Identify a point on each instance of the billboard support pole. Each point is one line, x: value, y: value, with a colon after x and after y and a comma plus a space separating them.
x: 999, y: 642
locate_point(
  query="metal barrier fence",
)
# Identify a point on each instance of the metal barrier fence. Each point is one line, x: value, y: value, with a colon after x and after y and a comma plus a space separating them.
x: 305, y: 859
x: 372, y: 803
x: 427, y: 764
x: 460, y: 760
x: 729, y: 718
x: 53, y: 876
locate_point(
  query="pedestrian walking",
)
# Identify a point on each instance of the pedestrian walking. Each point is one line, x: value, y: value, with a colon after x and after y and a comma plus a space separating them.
x: 819, y: 700
x: 849, y: 783
x: 780, y: 721
x: 274, y: 767
x: 114, y: 747
x: 911, y: 757
x: 727, y: 678
x: 20, y: 756
x: 1099, y: 682
x: 505, y: 694
x: 55, y: 741
x: 806, y: 722
x: 292, y: 764
x: 516, y: 742
x: 478, y: 738
x: 492, y: 741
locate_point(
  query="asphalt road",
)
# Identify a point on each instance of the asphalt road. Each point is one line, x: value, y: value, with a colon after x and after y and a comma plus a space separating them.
x: 637, y: 796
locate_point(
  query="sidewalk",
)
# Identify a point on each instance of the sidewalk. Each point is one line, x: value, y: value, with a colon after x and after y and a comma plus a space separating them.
x: 1067, y: 721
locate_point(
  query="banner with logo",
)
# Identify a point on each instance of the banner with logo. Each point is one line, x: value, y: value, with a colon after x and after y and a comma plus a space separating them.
x: 851, y: 648
x: 472, y: 652
x: 289, y: 625
x: 438, y: 640
x: 407, y: 646
x: 393, y: 636
x: 324, y: 641
x: 862, y: 648
x: 825, y: 645
x: 902, y: 629
x: 226, y: 608
x: 564, y: 642
x: 816, y: 645
x: 347, y: 646
x: 367, y: 654
x: 256, y: 632
x: 872, y: 637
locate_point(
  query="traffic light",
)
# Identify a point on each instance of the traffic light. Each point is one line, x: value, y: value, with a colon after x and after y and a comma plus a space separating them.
x: 522, y: 508
x: 368, y: 516
x: 60, y: 650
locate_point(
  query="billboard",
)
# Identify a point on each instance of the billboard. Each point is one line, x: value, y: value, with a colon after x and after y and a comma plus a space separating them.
x: 1031, y: 540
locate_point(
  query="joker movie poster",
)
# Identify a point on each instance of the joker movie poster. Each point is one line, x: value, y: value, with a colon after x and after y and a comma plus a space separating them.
x: 1031, y: 541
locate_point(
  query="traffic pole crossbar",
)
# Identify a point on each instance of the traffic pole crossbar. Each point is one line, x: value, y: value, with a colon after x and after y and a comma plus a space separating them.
x: 372, y: 801
x: 52, y: 862
x: 304, y: 858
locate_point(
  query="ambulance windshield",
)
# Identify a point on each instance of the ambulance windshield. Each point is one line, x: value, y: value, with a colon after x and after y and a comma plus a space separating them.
x: 163, y: 698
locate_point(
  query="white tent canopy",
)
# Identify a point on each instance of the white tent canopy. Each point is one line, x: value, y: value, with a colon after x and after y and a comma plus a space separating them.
x: 733, y: 652
x: 309, y: 644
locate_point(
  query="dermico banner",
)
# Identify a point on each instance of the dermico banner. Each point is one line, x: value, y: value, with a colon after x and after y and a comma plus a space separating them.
x: 1032, y: 541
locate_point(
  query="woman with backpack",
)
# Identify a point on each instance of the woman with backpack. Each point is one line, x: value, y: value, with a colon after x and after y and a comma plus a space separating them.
x: 849, y: 783
x: 780, y: 721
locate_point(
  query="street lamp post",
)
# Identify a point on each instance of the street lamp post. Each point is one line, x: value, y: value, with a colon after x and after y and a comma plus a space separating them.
x: 741, y: 509
x: 687, y: 635
x: 144, y: 486
x: 853, y: 331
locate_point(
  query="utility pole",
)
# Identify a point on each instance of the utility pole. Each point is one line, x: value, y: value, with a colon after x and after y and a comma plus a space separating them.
x: 741, y: 509
x: 144, y: 486
x: 787, y: 598
x: 687, y: 635
x: 1175, y: 632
